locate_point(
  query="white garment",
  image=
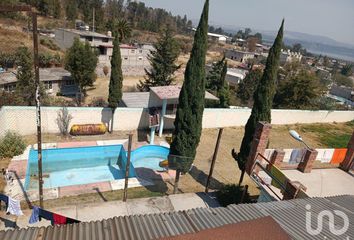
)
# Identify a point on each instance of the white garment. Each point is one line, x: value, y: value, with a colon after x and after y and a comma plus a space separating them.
x: 14, y: 207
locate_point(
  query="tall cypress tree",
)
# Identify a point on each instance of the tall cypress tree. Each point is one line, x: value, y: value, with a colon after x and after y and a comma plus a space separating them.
x: 263, y: 101
x: 188, y: 123
x: 116, y: 80
x: 224, y: 92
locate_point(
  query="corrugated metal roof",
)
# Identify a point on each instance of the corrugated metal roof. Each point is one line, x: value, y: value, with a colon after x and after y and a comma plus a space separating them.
x: 290, y: 215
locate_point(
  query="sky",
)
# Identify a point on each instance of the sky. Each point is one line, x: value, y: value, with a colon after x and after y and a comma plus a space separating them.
x: 330, y: 18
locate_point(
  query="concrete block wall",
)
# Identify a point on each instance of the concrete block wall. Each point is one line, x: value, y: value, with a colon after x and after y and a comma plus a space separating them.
x: 23, y: 119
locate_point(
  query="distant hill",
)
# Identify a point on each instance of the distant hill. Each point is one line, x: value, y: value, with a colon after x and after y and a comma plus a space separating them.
x: 313, y: 43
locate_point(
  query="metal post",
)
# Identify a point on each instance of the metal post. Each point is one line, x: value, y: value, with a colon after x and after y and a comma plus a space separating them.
x: 38, y: 106
x: 152, y: 134
x: 127, y: 169
x: 163, y: 113
x: 214, y: 160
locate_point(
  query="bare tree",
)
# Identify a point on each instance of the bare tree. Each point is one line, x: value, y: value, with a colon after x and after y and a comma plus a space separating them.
x: 63, y: 120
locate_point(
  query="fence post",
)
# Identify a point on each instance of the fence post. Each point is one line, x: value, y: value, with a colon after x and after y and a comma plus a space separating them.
x: 213, y: 160
x: 127, y: 169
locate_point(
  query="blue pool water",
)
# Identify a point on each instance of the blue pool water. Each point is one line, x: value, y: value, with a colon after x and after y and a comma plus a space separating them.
x: 83, y: 165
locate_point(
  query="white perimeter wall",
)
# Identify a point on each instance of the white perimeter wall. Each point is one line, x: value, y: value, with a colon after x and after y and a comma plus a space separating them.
x: 23, y: 119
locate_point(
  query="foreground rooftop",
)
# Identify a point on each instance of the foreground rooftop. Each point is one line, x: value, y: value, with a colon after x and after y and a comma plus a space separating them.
x: 290, y: 215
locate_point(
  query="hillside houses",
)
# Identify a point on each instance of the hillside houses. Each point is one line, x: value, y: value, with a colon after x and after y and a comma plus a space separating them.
x: 55, y: 80
x: 134, y: 57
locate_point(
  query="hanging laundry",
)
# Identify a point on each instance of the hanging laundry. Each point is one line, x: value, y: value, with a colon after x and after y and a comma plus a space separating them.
x: 55, y: 219
x: 35, y: 215
x: 59, y: 219
x: 5, y: 199
x: 14, y: 207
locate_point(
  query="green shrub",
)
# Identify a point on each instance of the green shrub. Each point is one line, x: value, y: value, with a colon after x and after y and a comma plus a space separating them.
x: 11, y: 145
x: 232, y: 194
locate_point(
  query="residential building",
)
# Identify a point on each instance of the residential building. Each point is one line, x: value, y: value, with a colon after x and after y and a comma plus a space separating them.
x: 134, y: 57
x: 235, y: 75
x: 55, y: 80
x: 216, y: 37
x: 163, y: 98
x: 238, y: 55
x: 289, y: 56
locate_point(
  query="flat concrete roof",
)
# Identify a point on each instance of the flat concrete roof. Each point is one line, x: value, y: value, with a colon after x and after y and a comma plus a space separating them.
x: 172, y: 92
x: 136, y: 99
x: 86, y: 33
x: 324, y: 182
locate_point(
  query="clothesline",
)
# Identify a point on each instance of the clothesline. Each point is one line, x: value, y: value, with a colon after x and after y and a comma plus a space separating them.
x: 13, y: 207
x: 55, y: 219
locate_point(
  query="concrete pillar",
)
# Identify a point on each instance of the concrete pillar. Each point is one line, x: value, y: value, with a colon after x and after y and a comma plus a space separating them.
x: 277, y: 158
x: 152, y: 135
x: 259, y: 143
x: 306, y: 164
x: 163, y: 112
x: 348, y: 162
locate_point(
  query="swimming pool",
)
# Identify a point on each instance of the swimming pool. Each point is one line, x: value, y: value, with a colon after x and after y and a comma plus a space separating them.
x: 84, y: 165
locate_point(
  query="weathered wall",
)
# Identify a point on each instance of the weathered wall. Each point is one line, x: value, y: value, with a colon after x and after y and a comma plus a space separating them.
x: 23, y: 119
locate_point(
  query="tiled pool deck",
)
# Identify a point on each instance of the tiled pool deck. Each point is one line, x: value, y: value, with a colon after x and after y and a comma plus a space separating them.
x: 18, y: 166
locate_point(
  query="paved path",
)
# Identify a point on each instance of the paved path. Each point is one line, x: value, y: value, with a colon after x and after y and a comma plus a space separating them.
x: 99, y: 211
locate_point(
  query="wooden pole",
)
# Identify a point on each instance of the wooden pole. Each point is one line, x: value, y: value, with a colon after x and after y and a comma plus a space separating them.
x: 125, y: 194
x: 214, y: 160
x: 27, y: 8
x: 175, y: 187
x: 38, y: 107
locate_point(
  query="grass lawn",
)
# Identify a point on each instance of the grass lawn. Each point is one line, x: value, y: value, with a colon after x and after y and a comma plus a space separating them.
x: 139, y: 192
x: 334, y: 135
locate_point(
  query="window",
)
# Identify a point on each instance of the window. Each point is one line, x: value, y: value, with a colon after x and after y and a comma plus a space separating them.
x: 69, y: 82
x: 10, y: 87
x: 125, y: 58
x: 140, y: 51
x: 133, y: 51
x: 140, y: 58
x: 105, y: 40
x: 48, y: 85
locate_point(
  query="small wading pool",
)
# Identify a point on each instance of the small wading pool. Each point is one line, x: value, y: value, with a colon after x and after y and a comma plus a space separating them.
x: 83, y: 165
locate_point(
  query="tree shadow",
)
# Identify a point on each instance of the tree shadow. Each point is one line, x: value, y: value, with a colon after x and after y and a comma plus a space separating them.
x: 8, y: 223
x: 209, y: 199
x: 142, y: 135
x: 149, y: 175
x: 201, y: 178
x: 28, y: 201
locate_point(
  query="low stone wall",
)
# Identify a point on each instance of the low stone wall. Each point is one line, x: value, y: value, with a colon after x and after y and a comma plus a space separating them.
x: 23, y: 119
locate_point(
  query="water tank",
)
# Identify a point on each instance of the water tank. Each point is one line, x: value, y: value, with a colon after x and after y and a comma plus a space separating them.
x: 109, y: 34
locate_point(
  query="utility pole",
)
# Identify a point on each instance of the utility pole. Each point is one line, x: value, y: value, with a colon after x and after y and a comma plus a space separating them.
x: 33, y: 13
x: 38, y: 107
